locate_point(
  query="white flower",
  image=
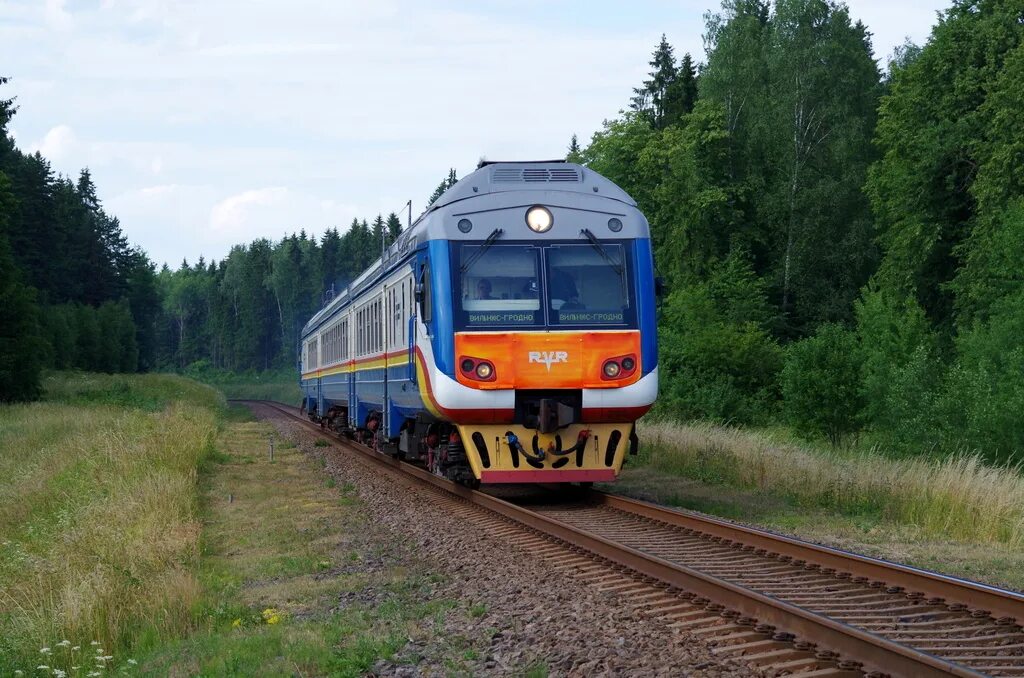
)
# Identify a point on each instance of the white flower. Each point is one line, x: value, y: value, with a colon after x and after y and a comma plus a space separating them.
x: 59, y: 673
x: 44, y: 650
x: 64, y: 643
x: 76, y: 648
x: 132, y: 662
x: 42, y: 667
x: 19, y: 672
x: 109, y: 656
x: 94, y: 643
x: 93, y: 674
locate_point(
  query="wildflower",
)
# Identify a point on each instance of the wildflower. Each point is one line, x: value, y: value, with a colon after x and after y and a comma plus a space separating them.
x: 235, y: 624
x: 59, y: 673
x: 76, y: 648
x: 94, y: 643
x: 64, y: 643
x: 42, y: 667
x: 44, y: 650
x: 93, y: 674
x: 271, y: 616
x: 132, y: 662
x: 19, y: 672
x: 99, y: 650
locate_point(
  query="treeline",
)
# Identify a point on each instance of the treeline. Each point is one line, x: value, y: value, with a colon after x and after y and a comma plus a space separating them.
x: 73, y: 292
x: 246, y: 311
x: 842, y: 245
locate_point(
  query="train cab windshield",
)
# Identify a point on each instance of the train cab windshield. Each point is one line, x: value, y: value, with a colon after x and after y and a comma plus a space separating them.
x: 560, y: 285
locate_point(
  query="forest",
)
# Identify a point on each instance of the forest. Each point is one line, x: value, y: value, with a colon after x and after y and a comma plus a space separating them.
x: 840, y: 239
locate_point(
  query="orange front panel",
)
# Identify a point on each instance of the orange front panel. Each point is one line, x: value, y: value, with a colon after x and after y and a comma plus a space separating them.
x: 528, y: 360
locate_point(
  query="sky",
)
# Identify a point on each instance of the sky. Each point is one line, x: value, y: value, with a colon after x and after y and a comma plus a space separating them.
x: 207, y: 123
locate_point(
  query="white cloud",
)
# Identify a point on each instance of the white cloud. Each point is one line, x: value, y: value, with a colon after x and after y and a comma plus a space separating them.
x: 57, y: 145
x: 56, y: 16
x: 232, y: 214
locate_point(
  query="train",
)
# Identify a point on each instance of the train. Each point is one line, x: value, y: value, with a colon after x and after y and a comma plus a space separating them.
x: 507, y: 336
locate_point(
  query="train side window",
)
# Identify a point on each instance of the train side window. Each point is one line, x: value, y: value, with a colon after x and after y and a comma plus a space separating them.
x: 423, y: 294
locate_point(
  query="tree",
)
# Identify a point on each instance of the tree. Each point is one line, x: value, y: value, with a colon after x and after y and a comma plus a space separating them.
x: 663, y: 98
x: 799, y: 89
x: 445, y: 184
x: 724, y: 364
x: 394, y: 227
x: 575, y: 154
x: 949, y: 133
x: 821, y: 384
x: 20, y: 336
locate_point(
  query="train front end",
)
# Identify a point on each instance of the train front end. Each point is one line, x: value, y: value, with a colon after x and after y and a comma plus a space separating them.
x: 538, y: 336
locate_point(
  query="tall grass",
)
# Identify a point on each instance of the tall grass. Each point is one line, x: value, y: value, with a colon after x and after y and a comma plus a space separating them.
x: 99, y: 529
x: 278, y: 385
x: 959, y: 497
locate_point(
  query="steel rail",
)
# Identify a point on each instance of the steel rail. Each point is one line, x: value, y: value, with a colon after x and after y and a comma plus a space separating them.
x: 874, y: 652
x: 998, y: 602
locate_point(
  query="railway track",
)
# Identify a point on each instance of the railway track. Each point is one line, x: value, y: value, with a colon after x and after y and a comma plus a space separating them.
x: 771, y: 601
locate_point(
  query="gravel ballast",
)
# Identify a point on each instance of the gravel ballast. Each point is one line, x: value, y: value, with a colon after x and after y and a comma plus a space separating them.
x: 523, y: 619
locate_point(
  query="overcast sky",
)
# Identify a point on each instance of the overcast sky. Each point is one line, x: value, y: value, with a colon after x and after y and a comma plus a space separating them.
x: 207, y: 123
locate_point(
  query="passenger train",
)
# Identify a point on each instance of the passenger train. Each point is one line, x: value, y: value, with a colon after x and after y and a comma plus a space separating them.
x: 508, y: 336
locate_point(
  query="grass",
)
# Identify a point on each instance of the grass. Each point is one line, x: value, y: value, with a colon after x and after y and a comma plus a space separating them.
x: 957, y: 515
x: 280, y: 548
x: 278, y: 385
x: 99, y: 517
x: 145, y: 530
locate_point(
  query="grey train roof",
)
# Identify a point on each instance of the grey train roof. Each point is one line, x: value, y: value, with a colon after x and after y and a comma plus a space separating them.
x: 570, y: 190
x: 578, y: 198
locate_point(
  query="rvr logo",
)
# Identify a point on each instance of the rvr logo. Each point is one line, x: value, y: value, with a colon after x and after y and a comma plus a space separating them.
x: 548, y: 358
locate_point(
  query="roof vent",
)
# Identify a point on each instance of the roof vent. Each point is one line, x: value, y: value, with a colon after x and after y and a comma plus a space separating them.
x: 534, y: 174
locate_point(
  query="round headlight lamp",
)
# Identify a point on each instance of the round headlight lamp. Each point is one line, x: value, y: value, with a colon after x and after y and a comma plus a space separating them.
x: 611, y: 369
x: 484, y: 371
x: 539, y: 219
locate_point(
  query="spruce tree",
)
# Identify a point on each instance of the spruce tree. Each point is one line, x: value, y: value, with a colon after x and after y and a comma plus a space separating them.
x: 574, y: 154
x: 656, y: 99
x: 20, y: 335
x: 394, y: 227
x: 445, y: 184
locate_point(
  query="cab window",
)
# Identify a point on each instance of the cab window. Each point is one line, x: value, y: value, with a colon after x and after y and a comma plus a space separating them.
x: 500, y: 285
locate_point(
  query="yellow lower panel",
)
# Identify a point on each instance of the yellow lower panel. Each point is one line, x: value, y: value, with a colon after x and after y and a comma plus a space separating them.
x: 588, y: 464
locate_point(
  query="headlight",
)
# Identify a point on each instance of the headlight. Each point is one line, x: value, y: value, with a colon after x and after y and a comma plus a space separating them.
x: 611, y: 369
x: 539, y: 219
x: 484, y: 371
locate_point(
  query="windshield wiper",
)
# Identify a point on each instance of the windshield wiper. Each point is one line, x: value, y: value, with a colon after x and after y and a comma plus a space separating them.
x: 495, y: 234
x: 616, y: 266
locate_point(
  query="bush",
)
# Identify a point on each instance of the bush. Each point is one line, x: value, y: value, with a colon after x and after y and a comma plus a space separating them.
x: 714, y: 368
x: 901, y: 374
x: 821, y: 384
x: 984, y: 398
